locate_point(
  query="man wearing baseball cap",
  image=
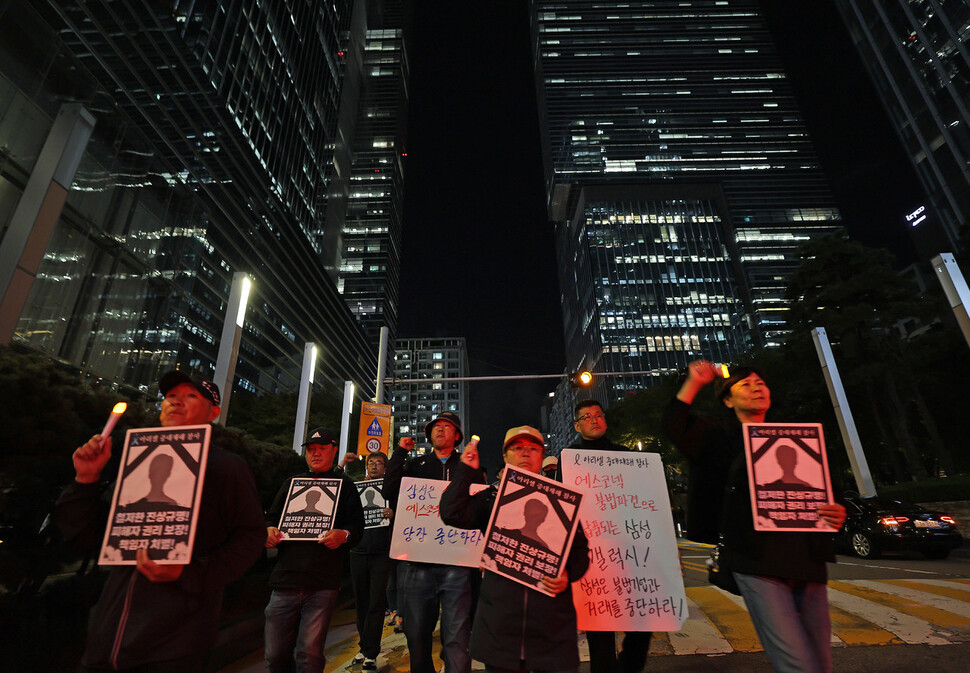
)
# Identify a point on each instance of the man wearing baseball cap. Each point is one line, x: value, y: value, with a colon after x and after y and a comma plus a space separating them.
x: 427, y: 589
x: 516, y: 627
x: 306, y: 578
x: 151, y: 617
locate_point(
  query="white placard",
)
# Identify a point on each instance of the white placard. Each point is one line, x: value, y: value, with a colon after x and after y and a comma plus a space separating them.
x: 372, y: 501
x: 420, y: 535
x: 155, y: 505
x: 310, y: 509
x: 634, y: 581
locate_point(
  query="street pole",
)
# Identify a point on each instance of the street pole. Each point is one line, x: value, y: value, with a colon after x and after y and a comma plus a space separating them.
x: 345, y: 418
x: 231, y: 335
x: 306, y: 392
x: 853, y: 445
x: 955, y: 287
x: 381, y: 365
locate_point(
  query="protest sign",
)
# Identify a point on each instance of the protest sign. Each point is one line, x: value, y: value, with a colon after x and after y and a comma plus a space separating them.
x: 634, y: 581
x: 531, y: 528
x: 419, y: 533
x: 155, y: 504
x: 373, y: 502
x: 788, y: 471
x: 310, y: 508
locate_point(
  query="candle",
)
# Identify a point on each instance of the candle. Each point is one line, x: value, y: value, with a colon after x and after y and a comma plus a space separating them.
x: 116, y: 413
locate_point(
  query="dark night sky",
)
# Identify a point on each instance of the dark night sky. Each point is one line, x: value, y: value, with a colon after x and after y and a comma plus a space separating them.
x: 478, y: 254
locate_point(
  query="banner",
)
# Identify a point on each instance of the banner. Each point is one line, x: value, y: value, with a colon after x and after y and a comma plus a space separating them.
x: 634, y: 581
x: 310, y: 508
x: 788, y: 471
x: 375, y: 429
x: 531, y: 528
x: 420, y: 535
x: 155, y: 505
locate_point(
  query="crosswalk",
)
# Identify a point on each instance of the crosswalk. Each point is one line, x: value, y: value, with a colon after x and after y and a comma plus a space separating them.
x: 864, y: 612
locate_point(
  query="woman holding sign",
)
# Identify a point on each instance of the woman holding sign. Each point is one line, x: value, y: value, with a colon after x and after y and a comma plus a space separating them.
x: 781, y: 575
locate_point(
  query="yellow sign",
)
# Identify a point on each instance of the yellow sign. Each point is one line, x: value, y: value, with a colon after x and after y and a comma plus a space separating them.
x: 375, y: 429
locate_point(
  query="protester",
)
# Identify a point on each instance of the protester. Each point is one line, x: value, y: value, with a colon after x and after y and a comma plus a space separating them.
x: 369, y: 568
x: 427, y: 589
x: 550, y: 465
x: 590, y: 423
x: 517, y: 628
x: 155, y: 618
x: 306, y: 578
x: 782, y: 575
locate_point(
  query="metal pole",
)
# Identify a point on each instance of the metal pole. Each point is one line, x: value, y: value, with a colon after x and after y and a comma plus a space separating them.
x: 229, y: 343
x: 853, y: 445
x: 306, y: 392
x: 955, y: 287
x: 381, y: 365
x: 345, y: 419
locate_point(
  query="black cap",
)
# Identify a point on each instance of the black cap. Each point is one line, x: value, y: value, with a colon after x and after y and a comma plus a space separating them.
x: 207, y: 388
x: 447, y: 417
x: 320, y: 436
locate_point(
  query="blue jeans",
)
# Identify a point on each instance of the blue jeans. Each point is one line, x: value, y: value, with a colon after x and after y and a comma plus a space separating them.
x: 792, y: 621
x: 296, y: 629
x: 423, y: 587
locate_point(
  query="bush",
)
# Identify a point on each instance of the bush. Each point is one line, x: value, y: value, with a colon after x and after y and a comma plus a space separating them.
x: 943, y: 489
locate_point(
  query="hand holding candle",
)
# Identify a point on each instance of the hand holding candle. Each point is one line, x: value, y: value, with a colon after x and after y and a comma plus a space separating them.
x: 116, y: 413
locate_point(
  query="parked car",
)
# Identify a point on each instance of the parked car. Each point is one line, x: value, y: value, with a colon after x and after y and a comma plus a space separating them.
x: 875, y: 525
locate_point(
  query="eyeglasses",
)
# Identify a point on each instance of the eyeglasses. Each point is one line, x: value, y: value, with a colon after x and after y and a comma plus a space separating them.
x: 586, y: 418
x: 525, y: 449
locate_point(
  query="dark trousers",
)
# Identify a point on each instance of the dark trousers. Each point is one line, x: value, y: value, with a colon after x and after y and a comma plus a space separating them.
x: 604, y: 659
x: 369, y: 573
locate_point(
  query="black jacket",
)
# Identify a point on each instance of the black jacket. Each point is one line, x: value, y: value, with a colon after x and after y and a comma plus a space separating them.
x: 311, y: 565
x: 718, y: 492
x: 137, y: 621
x: 427, y: 466
x: 514, y: 623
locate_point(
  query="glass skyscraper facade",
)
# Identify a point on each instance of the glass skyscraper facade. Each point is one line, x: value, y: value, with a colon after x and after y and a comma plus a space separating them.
x: 430, y: 360
x: 212, y: 153
x: 680, y: 178
x: 916, y: 52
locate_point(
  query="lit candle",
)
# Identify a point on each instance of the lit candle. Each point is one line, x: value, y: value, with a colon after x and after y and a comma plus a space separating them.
x: 724, y: 372
x: 116, y: 413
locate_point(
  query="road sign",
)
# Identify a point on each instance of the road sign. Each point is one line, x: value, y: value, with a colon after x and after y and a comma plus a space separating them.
x: 375, y: 429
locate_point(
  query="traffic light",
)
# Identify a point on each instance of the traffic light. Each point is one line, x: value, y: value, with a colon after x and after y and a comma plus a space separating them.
x: 581, y: 379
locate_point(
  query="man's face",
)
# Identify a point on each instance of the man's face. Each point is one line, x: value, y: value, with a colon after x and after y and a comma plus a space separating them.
x: 185, y: 405
x: 591, y: 422
x: 376, y: 467
x: 443, y: 435
x: 525, y: 454
x: 319, y: 457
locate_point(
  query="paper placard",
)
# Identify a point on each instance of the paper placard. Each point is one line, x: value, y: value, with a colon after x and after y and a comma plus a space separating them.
x: 420, y: 535
x: 531, y: 528
x: 155, y: 505
x: 372, y: 500
x: 310, y: 508
x: 634, y: 581
x: 788, y: 471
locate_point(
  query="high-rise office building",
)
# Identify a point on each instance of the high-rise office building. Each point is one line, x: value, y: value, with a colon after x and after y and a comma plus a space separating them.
x: 681, y: 180
x: 917, y: 55
x: 415, y: 404
x: 213, y: 129
x: 372, y: 217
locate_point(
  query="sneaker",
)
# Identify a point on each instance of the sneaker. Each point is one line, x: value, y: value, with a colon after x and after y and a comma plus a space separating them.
x: 359, y: 657
x: 369, y: 665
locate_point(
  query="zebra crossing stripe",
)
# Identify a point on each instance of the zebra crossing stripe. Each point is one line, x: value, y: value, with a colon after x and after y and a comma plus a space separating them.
x: 727, y: 616
x: 851, y: 629
x: 698, y: 635
x: 943, y: 597
x: 880, y: 594
x: 909, y: 629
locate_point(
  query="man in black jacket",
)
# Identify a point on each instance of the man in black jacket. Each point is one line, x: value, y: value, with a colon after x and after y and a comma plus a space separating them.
x: 591, y: 425
x: 426, y: 586
x: 157, y: 618
x: 306, y: 579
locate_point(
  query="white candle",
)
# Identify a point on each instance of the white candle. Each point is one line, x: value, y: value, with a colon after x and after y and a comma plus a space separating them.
x: 116, y: 413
